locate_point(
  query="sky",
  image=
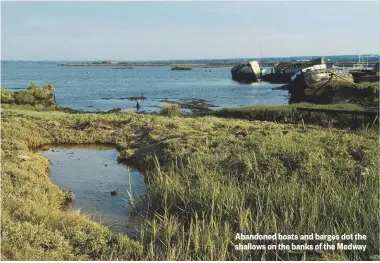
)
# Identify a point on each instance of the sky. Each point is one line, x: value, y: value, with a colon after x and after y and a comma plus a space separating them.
x: 186, y: 30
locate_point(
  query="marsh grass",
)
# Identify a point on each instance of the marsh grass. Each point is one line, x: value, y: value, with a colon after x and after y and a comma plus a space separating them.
x: 207, y: 179
x: 171, y: 110
x: 365, y: 93
x: 290, y: 114
x: 274, y: 185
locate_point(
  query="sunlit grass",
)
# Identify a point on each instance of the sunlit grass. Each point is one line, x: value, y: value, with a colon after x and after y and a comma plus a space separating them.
x: 207, y: 178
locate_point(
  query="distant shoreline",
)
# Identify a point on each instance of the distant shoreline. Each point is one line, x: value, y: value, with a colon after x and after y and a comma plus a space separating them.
x: 199, y: 65
x: 194, y: 65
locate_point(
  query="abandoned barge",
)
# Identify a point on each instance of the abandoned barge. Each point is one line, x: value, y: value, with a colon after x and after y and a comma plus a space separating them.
x: 284, y: 71
x: 366, y: 75
x: 311, y: 81
x: 246, y: 72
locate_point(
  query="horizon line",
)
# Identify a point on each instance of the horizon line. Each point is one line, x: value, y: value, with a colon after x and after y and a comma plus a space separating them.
x: 189, y: 59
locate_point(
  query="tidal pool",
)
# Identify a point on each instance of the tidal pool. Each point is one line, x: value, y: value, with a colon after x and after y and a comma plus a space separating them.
x: 92, y: 172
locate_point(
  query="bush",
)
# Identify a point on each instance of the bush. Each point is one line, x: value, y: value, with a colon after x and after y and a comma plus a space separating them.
x: 24, y: 97
x: 33, y: 95
x: 7, y: 96
x: 171, y: 110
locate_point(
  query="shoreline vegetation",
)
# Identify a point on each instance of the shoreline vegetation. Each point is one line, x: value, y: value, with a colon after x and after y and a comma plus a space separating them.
x: 207, y: 179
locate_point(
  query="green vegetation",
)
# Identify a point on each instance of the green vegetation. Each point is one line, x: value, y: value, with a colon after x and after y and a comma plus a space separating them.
x: 290, y: 114
x: 171, y: 110
x: 33, y: 95
x: 373, y: 86
x: 207, y: 179
x: 365, y: 93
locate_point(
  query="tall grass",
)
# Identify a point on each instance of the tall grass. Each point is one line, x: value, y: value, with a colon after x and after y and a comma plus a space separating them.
x: 272, y: 186
x: 207, y: 179
x: 171, y: 110
x: 290, y: 114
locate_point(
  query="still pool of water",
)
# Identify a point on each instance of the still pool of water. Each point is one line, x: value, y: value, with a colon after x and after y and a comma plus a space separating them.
x: 104, y: 88
x: 91, y: 173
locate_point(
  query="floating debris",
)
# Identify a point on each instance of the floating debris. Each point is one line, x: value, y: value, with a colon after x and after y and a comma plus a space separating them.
x: 115, y: 192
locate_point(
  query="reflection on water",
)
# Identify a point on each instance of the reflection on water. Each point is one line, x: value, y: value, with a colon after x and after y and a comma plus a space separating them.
x: 91, y: 173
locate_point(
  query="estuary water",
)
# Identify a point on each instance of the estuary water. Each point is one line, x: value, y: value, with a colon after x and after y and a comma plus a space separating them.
x: 104, y: 88
x: 91, y: 173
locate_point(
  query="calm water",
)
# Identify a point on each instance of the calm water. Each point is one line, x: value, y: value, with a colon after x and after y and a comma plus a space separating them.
x: 102, y: 88
x: 83, y: 171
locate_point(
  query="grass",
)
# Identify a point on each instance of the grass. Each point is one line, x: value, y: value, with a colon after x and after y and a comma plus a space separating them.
x: 171, y: 110
x: 374, y: 86
x: 365, y: 93
x: 207, y: 179
x: 289, y: 113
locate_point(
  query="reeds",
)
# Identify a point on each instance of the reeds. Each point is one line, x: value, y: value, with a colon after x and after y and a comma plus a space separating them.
x: 171, y: 110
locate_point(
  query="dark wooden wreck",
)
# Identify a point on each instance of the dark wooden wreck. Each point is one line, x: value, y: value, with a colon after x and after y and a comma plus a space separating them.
x: 285, y: 70
x: 310, y: 82
x: 246, y: 72
x: 366, y: 75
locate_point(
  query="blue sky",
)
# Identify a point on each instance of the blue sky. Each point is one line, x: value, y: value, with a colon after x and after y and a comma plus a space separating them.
x: 186, y: 30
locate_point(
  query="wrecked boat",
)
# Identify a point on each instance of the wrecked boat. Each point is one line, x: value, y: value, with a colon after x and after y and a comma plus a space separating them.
x: 246, y: 72
x: 312, y: 80
x: 366, y: 75
x: 285, y: 70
